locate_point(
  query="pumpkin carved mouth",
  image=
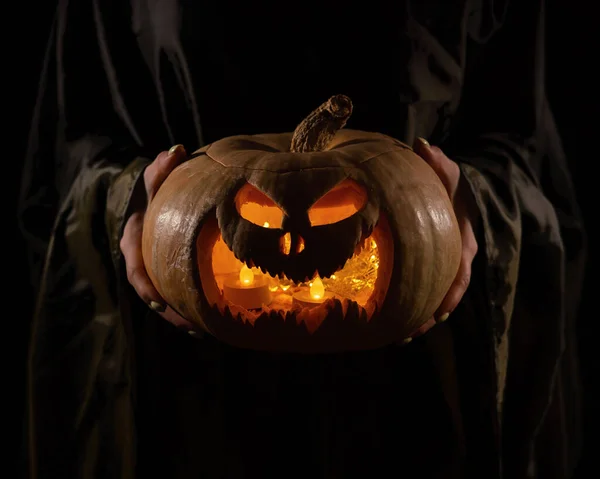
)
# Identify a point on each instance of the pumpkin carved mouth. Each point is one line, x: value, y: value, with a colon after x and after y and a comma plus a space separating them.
x: 250, y: 293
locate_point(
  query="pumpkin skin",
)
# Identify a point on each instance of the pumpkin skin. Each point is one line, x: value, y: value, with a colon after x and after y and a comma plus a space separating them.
x: 407, y: 210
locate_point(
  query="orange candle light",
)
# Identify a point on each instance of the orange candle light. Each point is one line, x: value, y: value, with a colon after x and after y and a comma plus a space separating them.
x: 313, y: 296
x: 247, y: 289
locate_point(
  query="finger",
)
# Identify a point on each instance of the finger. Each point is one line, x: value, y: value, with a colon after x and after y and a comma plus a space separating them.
x: 181, y: 323
x: 194, y: 333
x: 174, y: 318
x: 423, y: 329
x: 421, y: 146
x: 156, y: 173
x: 136, y: 271
x: 419, y: 332
x: 456, y: 291
x: 446, y: 169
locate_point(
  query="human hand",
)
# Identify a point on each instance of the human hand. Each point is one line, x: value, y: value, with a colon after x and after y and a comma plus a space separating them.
x: 131, y: 241
x: 466, y: 214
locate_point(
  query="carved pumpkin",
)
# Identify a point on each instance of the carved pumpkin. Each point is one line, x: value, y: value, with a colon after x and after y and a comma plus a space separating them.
x: 321, y: 240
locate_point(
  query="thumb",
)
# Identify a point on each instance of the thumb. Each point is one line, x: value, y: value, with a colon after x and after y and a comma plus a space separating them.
x: 161, y: 167
x: 446, y: 170
x: 425, y: 150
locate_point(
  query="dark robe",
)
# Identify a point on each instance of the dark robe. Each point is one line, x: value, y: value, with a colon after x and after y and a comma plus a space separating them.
x: 117, y: 392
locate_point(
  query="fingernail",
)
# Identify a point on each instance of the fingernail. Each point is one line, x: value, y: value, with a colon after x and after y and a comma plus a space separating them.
x: 176, y: 148
x: 443, y: 317
x: 423, y: 142
x: 159, y: 308
x: 195, y: 334
x: 407, y: 340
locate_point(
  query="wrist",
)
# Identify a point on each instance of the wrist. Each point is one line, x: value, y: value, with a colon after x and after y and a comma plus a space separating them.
x: 126, y: 195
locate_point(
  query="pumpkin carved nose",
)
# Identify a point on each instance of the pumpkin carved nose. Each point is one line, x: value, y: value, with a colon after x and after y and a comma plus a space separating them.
x: 291, y: 244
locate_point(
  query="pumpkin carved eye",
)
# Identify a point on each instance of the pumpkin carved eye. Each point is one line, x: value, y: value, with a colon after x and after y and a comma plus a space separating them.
x: 257, y: 208
x: 339, y: 203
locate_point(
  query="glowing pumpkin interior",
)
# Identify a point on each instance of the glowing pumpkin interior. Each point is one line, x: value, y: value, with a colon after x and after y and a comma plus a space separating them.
x: 250, y: 293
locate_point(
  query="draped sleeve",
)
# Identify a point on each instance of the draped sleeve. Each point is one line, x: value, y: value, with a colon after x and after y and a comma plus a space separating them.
x: 531, y: 236
x: 86, y: 155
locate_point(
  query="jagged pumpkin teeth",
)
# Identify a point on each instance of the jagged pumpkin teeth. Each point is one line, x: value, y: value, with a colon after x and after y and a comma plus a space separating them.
x: 325, y: 239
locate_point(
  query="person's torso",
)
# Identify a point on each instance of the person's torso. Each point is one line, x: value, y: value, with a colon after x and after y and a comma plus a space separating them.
x: 223, y: 69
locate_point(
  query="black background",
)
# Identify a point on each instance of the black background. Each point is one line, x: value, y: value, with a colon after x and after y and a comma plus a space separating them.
x: 572, y: 86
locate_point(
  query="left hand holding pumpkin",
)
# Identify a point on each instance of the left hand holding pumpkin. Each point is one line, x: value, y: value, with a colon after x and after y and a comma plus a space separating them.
x: 466, y: 214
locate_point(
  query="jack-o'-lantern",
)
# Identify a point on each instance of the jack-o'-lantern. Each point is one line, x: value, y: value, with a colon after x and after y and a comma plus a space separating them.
x: 322, y: 240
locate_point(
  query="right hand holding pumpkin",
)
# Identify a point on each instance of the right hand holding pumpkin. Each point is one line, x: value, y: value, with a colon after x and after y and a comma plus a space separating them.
x: 467, y: 216
x: 131, y: 241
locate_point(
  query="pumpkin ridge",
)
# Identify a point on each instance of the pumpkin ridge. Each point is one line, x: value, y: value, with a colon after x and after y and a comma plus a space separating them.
x: 359, y: 141
x: 310, y: 168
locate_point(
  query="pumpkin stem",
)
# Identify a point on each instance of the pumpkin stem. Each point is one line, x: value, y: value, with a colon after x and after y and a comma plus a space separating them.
x: 319, y: 127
